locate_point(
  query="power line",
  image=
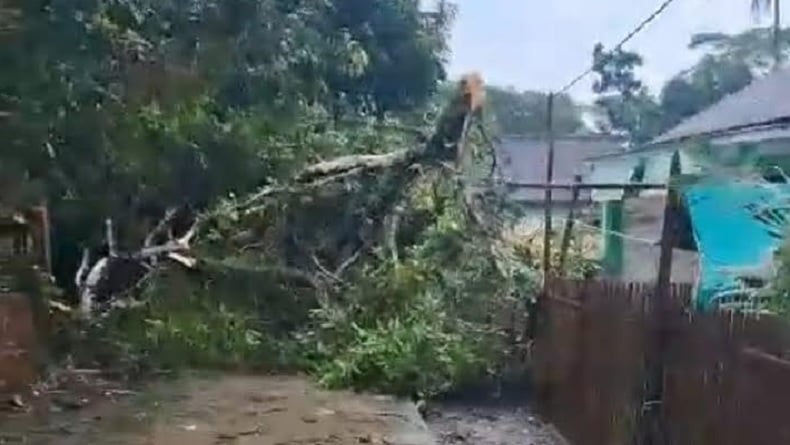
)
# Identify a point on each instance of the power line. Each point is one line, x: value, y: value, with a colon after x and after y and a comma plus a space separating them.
x: 642, y: 25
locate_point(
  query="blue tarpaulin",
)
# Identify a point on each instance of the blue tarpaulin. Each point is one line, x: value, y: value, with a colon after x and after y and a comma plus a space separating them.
x: 737, y: 226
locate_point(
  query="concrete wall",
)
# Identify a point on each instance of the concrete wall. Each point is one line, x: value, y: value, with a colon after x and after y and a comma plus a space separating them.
x: 641, y: 264
x: 644, y: 219
x: 642, y: 229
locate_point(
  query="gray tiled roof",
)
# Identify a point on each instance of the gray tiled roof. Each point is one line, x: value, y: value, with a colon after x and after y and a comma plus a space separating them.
x: 523, y: 159
x: 764, y: 101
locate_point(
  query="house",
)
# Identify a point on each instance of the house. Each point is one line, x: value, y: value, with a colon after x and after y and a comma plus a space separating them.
x: 523, y: 160
x: 729, y: 164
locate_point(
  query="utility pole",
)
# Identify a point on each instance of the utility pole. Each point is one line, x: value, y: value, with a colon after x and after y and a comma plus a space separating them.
x: 652, y: 429
x: 540, y: 305
x: 567, y: 232
x: 777, y: 34
x: 547, y: 223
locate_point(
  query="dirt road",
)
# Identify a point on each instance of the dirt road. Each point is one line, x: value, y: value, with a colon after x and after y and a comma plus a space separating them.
x: 230, y: 410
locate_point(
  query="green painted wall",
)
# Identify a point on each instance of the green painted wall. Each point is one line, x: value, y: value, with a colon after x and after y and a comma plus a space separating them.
x: 613, y: 250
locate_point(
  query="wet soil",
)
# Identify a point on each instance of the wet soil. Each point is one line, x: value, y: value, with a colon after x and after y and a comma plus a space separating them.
x: 489, y: 424
x: 221, y: 409
x: 224, y: 410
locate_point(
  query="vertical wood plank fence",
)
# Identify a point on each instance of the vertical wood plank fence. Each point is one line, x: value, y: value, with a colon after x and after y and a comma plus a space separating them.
x: 726, y: 376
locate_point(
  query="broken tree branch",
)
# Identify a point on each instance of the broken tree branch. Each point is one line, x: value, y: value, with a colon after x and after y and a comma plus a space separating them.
x: 83, y: 270
x: 112, y: 245
x: 347, y: 263
x: 162, y: 227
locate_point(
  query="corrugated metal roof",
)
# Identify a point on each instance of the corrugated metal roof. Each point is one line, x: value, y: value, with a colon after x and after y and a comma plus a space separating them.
x: 758, y: 135
x: 523, y: 159
x: 764, y: 101
x: 738, y: 226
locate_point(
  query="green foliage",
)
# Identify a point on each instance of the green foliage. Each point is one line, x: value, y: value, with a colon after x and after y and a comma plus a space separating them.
x: 121, y: 108
x: 638, y: 114
x: 753, y: 47
x: 180, y: 323
x: 400, y: 45
x: 425, y: 325
x: 615, y: 71
x: 519, y: 113
x: 779, y: 290
x: 728, y: 64
x: 413, y: 347
x: 438, y: 318
x: 629, y: 105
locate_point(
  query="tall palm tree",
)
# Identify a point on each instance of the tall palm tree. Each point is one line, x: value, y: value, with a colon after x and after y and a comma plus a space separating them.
x: 774, y: 7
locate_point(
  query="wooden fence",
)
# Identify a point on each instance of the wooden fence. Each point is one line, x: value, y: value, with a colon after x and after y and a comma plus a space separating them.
x: 726, y: 377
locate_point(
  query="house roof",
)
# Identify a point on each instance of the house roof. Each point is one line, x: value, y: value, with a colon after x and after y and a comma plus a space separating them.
x: 523, y: 160
x: 763, y: 102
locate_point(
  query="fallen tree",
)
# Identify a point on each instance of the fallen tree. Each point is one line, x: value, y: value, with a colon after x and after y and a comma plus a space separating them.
x: 310, y: 231
x: 391, y: 272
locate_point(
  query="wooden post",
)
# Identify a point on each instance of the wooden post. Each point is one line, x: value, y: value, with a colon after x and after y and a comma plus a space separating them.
x: 547, y: 223
x: 652, y: 430
x: 567, y: 232
x: 534, y: 315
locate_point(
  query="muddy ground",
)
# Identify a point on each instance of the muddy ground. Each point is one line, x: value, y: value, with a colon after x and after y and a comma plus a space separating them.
x: 243, y: 410
x: 220, y: 410
x: 489, y: 424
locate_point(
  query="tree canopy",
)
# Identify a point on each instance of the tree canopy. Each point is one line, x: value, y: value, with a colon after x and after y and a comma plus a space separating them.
x: 119, y: 108
x: 515, y: 112
x: 728, y: 64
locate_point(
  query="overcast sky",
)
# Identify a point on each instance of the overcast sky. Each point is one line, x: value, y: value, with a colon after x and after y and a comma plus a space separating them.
x: 542, y: 44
